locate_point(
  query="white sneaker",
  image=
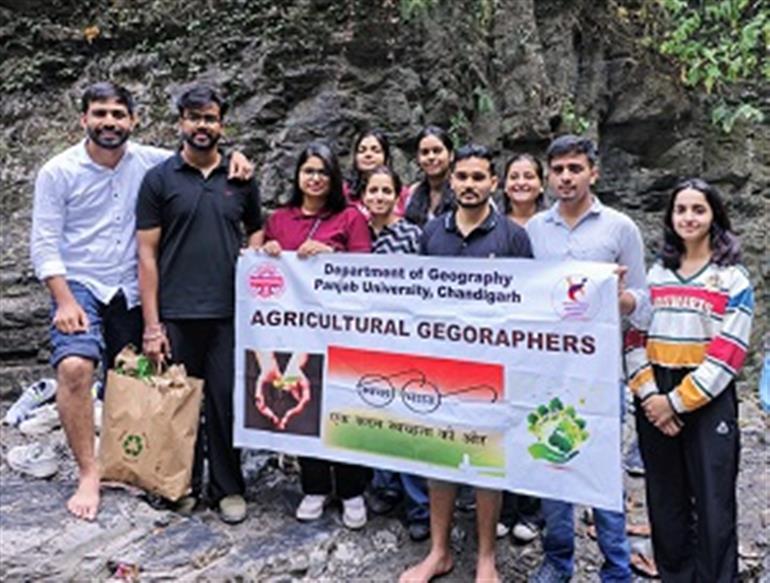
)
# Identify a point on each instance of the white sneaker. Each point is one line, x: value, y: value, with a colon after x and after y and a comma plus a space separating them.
x: 354, y: 512
x: 33, y: 396
x: 42, y: 420
x: 502, y: 530
x: 525, y: 532
x: 311, y: 507
x: 33, y: 459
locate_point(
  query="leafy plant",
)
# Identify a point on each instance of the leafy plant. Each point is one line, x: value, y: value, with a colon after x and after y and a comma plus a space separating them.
x: 725, y: 117
x: 572, y: 120
x: 411, y: 9
x: 718, y: 44
x: 459, y: 127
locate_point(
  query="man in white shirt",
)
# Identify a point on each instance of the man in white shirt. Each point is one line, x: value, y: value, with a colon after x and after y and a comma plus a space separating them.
x: 83, y: 247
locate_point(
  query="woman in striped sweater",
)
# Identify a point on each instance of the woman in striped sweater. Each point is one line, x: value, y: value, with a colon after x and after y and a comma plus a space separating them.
x: 683, y: 372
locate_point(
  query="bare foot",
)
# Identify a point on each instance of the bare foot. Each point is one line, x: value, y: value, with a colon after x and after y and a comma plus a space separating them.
x: 435, y: 564
x: 486, y: 571
x: 85, y: 501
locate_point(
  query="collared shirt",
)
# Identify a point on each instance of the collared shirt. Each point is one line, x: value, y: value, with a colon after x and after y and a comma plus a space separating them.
x: 601, y: 234
x: 343, y: 231
x: 83, y: 222
x: 200, y: 219
x: 400, y: 237
x: 496, y: 236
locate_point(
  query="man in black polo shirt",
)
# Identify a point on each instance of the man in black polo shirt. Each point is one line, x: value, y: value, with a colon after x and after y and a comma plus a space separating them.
x: 475, y: 229
x: 189, y: 233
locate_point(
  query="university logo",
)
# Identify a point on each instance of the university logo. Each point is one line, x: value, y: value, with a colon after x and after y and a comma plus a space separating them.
x: 575, y: 297
x: 266, y: 281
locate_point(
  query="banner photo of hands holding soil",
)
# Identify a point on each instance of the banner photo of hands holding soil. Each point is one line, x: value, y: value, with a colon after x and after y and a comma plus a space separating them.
x: 502, y: 373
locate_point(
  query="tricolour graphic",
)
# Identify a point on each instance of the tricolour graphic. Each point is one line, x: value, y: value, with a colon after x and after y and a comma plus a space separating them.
x: 403, y: 401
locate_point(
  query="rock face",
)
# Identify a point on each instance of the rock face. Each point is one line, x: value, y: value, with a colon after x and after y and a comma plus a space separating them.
x: 511, y: 74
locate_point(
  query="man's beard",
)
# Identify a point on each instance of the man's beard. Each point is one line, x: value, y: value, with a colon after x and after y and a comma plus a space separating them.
x: 211, y: 143
x: 472, y: 205
x: 97, y: 137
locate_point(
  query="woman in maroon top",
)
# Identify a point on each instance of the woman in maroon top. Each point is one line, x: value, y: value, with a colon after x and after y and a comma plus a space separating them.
x: 318, y: 219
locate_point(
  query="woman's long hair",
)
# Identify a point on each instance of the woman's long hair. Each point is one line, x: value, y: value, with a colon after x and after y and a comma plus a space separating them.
x: 538, y: 166
x: 335, y: 200
x: 725, y: 247
x: 419, y: 203
x: 356, y: 178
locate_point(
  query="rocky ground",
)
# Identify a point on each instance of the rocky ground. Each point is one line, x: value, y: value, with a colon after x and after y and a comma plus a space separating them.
x: 40, y: 541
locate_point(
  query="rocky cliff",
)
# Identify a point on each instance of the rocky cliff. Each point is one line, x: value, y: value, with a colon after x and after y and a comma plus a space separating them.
x: 508, y: 73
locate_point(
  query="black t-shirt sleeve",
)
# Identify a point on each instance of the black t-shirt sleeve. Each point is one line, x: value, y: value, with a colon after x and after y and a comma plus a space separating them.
x: 148, y: 203
x: 252, y: 218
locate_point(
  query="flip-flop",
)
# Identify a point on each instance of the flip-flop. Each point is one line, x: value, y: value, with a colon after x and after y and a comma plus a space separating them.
x: 644, y: 566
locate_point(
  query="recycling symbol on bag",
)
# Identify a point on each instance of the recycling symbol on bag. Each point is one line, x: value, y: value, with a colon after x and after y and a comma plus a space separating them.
x: 132, y: 445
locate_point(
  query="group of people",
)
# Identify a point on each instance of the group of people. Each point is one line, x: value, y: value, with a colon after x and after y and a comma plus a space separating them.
x: 139, y: 244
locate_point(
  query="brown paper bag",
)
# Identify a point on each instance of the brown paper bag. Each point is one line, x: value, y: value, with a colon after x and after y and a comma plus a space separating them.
x: 149, y: 427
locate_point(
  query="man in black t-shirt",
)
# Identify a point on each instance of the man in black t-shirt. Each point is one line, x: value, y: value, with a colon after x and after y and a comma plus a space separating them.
x: 189, y: 233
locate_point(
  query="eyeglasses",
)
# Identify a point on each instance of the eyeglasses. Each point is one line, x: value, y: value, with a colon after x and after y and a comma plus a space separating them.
x: 207, y: 119
x: 315, y: 172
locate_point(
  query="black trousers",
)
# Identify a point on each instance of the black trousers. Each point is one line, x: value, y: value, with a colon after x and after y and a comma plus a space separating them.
x: 206, y: 348
x: 517, y: 507
x: 690, y: 485
x: 121, y: 328
x: 316, y: 476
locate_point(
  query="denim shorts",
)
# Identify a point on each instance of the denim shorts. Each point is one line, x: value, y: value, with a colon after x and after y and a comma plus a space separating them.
x: 113, y: 321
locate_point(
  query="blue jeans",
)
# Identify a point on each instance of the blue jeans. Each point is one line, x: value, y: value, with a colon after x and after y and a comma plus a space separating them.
x: 559, y: 540
x: 111, y: 327
x: 414, y: 488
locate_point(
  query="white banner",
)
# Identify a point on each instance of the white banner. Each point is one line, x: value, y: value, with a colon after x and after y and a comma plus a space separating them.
x: 502, y: 373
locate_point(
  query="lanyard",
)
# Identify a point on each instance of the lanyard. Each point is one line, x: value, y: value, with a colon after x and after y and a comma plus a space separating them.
x: 314, y: 228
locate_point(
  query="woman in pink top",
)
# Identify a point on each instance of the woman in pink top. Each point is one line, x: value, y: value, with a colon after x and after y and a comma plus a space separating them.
x: 317, y: 220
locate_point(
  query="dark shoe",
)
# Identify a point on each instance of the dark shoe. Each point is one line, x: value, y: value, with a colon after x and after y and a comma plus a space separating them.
x: 418, y: 531
x: 380, y: 503
x: 232, y: 509
x: 466, y: 499
x: 185, y: 505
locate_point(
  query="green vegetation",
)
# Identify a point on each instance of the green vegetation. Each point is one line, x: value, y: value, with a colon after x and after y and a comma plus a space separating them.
x: 143, y: 369
x: 572, y: 120
x: 720, y: 46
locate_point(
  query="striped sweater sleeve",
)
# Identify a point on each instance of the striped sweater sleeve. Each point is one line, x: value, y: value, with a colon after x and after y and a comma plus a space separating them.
x: 639, y: 374
x: 725, y: 352
x: 641, y: 380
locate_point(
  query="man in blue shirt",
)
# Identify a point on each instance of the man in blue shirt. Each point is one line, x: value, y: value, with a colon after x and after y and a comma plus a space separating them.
x: 580, y: 227
x: 475, y: 229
